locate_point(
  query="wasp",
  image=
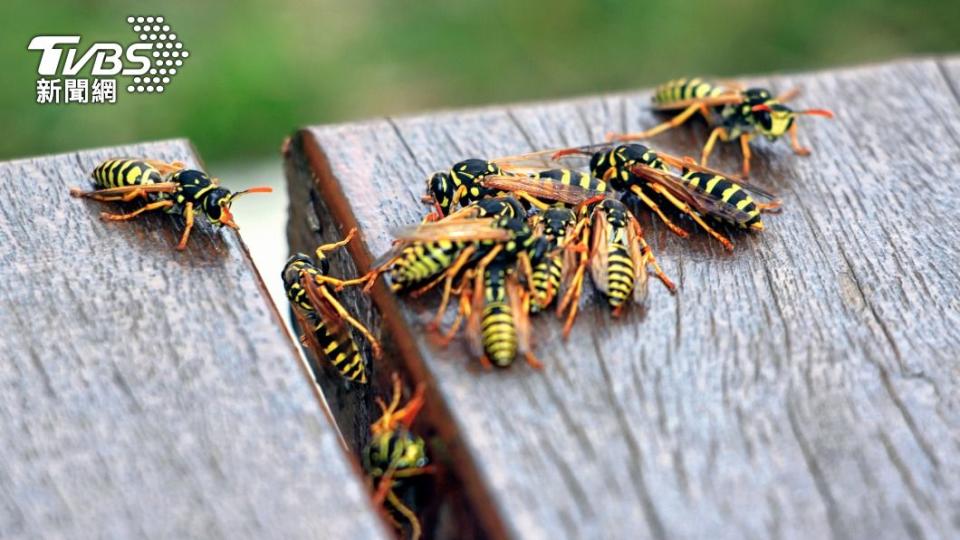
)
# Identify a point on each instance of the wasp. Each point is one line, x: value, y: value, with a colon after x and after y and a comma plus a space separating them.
x: 394, y: 454
x: 618, y: 259
x: 497, y: 310
x: 321, y: 316
x: 556, y: 225
x: 564, y: 187
x: 697, y: 191
x: 447, y: 189
x: 737, y: 114
x: 165, y: 186
x: 437, y: 252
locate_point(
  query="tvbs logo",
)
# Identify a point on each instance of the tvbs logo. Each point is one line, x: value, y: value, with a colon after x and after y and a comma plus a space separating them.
x: 152, y: 62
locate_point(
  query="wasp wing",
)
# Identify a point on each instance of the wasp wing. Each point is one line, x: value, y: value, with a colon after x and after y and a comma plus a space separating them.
x: 520, y: 310
x: 158, y: 187
x: 473, y: 327
x: 542, y: 188
x: 546, y: 159
x: 709, y: 101
x: 456, y: 230
x: 325, y: 312
x: 639, y: 258
x: 308, y: 329
x: 599, y: 251
x: 699, y: 201
x: 754, y: 190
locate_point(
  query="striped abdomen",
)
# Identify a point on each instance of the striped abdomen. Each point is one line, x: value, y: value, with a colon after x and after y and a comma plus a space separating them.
x: 114, y: 173
x: 730, y: 193
x: 683, y: 89
x: 546, y: 281
x: 422, y: 261
x: 573, y: 178
x: 621, y: 274
x: 340, y: 350
x: 499, y: 334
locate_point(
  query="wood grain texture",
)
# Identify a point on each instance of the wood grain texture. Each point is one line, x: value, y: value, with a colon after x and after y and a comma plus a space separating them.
x: 805, y: 386
x: 147, y: 392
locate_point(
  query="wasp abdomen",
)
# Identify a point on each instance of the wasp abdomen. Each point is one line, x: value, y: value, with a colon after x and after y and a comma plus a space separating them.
x: 620, y: 275
x: 114, y: 173
x: 422, y: 261
x: 546, y: 278
x: 342, y: 351
x: 499, y: 334
x: 682, y: 89
x: 727, y: 192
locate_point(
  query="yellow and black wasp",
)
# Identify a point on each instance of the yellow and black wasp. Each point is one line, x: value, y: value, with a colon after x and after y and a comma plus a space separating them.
x: 320, y: 315
x: 165, y: 186
x: 497, y: 309
x: 395, y: 455
x: 428, y: 254
x: 555, y: 224
x: 697, y: 191
x: 460, y: 185
x: 618, y: 259
x: 737, y: 114
x: 548, y: 187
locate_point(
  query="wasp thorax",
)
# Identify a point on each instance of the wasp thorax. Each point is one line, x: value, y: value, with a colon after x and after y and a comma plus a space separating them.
x: 474, y: 168
x: 756, y: 96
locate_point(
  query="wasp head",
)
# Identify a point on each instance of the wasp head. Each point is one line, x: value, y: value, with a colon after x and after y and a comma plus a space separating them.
x: 774, y: 119
x: 440, y: 191
x: 291, y: 273
x: 397, y: 449
x: 216, y: 204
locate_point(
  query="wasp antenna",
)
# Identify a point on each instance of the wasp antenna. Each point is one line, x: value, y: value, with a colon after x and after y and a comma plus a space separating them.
x: 826, y: 113
x: 258, y: 189
x: 760, y: 108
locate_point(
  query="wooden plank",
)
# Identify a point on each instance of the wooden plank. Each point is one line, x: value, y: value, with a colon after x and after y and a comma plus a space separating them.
x: 803, y: 386
x: 147, y: 392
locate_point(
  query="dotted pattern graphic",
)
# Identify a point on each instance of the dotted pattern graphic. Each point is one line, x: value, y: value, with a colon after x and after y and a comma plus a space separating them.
x: 167, y: 55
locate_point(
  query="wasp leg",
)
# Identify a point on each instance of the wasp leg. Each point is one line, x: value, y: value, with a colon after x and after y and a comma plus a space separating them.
x: 535, y: 202
x: 457, y: 195
x: 526, y: 268
x: 450, y: 274
x: 462, y: 311
x: 126, y: 217
x: 340, y: 284
x: 342, y: 311
x: 415, y: 529
x: 571, y: 300
x: 683, y: 207
x: 676, y: 121
x: 772, y: 207
x: 717, y: 133
x: 443, y: 277
x: 188, y: 216
x: 649, y: 258
x: 523, y: 333
x: 127, y: 197
x: 652, y: 205
x: 795, y: 142
x: 747, y: 154
x: 337, y: 245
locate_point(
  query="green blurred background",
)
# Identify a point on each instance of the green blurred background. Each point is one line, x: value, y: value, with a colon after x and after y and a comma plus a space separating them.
x: 260, y: 69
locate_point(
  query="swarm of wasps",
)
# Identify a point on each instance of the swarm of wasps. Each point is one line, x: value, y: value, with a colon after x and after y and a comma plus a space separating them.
x: 515, y: 236
x: 511, y: 237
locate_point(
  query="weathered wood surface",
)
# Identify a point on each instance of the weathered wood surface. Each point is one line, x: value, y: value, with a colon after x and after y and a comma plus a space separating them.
x: 147, y: 392
x: 804, y: 386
